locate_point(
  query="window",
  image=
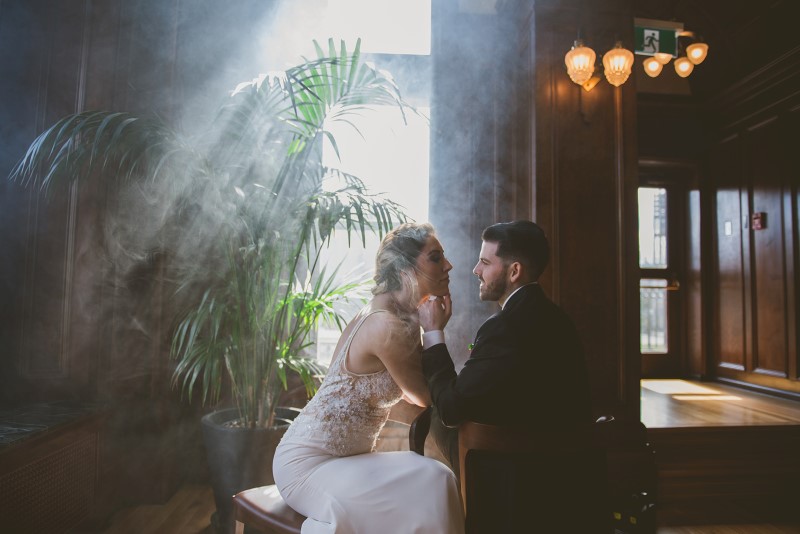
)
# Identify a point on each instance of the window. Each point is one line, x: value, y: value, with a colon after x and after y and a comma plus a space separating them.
x: 391, y: 157
x: 653, y: 256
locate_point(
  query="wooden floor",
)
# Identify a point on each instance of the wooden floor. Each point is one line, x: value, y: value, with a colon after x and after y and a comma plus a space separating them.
x: 682, y: 403
x: 189, y: 512
x: 665, y: 403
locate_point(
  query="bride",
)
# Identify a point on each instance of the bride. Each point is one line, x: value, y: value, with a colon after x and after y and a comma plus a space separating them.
x: 325, y: 466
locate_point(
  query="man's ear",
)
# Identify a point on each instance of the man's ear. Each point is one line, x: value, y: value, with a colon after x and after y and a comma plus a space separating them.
x: 515, y: 272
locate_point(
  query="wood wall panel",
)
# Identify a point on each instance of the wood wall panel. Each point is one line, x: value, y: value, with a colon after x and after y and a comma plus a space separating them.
x: 45, y: 320
x: 695, y: 323
x: 730, y: 339
x: 770, y: 327
x: 759, y: 330
x: 584, y: 156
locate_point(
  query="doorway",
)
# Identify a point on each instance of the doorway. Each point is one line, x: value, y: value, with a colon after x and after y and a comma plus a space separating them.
x: 664, y: 224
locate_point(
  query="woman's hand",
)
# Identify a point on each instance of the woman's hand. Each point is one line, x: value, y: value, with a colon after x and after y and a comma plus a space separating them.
x: 435, y: 312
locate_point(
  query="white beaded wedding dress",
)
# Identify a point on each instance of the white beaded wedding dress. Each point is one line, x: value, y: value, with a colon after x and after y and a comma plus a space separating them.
x: 326, y: 469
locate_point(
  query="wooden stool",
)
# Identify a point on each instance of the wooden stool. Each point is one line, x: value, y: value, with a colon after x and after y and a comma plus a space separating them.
x: 264, y: 509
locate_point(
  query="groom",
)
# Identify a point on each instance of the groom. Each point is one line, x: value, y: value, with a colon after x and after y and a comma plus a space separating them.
x: 526, y: 366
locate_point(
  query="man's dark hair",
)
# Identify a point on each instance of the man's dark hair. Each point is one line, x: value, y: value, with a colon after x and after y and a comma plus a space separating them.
x: 522, y: 241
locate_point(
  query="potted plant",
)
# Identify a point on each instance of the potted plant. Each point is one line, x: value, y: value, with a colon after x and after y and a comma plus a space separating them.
x: 253, y: 191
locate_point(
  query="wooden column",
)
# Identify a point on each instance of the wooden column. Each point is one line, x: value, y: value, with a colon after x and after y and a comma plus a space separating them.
x: 584, y: 192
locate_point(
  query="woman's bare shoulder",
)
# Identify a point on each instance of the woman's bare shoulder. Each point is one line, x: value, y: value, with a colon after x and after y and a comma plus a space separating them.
x: 387, y: 329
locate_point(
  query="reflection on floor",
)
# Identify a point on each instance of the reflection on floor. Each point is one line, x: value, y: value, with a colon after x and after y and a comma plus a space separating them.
x: 683, y: 403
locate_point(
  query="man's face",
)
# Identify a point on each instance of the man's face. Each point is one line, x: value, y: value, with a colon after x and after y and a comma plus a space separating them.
x: 492, y: 272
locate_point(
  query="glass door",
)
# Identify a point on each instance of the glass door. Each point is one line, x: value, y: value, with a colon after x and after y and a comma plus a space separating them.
x: 659, y: 284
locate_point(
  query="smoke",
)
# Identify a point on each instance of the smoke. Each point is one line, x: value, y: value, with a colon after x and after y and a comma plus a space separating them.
x: 159, y: 233
x: 472, y: 98
x: 180, y: 61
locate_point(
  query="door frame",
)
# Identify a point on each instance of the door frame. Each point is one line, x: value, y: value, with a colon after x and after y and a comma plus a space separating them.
x: 680, y: 178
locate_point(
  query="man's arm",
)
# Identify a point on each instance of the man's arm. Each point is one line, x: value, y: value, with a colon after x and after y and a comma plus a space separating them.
x: 472, y: 393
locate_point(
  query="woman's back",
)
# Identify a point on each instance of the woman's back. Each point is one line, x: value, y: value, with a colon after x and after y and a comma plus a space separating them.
x: 349, y: 410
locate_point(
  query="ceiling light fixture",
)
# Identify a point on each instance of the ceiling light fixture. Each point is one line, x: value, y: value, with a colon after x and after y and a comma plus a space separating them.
x: 697, y: 52
x: 683, y: 66
x: 652, y: 66
x: 663, y: 40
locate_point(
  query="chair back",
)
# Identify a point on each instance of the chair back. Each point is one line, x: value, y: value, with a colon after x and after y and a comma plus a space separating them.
x: 532, y: 479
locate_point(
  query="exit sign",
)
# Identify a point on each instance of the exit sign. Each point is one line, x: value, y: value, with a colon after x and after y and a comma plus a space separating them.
x: 656, y: 36
x: 652, y: 40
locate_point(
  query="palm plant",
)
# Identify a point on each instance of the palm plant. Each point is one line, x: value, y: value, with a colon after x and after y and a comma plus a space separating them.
x: 245, y: 209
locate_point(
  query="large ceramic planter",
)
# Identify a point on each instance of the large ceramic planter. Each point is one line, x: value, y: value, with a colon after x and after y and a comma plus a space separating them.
x: 238, y: 459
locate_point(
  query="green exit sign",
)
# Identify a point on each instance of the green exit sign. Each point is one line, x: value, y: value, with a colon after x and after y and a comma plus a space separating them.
x: 652, y: 40
x: 656, y: 36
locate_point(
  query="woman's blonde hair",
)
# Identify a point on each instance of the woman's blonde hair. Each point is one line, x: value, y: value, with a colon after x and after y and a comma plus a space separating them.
x: 395, y: 262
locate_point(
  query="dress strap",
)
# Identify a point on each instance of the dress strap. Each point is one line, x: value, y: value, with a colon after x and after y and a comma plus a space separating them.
x: 342, y: 356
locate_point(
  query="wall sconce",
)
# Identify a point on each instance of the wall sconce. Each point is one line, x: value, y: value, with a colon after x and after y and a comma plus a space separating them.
x: 617, y: 64
x: 580, y: 62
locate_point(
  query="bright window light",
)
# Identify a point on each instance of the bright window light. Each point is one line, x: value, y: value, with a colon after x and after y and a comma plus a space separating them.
x: 671, y: 387
x: 384, y: 26
x: 393, y: 159
x: 706, y: 397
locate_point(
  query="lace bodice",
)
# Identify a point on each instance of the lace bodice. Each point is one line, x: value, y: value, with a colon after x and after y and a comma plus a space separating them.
x: 349, y: 410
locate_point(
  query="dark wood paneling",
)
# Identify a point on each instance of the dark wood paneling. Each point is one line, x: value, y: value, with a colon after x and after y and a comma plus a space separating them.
x: 770, y: 328
x: 44, y: 314
x: 758, y: 120
x: 729, y: 331
x: 585, y: 195
x: 726, y: 474
x: 695, y: 324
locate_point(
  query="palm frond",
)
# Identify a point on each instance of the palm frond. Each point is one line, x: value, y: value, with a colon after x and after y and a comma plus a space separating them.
x: 118, y: 145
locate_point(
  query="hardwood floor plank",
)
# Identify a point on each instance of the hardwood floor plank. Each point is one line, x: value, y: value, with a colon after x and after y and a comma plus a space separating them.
x: 187, y: 512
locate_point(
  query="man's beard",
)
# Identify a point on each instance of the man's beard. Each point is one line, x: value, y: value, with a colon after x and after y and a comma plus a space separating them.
x: 493, y: 291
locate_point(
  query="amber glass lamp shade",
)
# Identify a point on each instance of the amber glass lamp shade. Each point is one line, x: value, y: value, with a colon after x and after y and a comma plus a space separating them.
x: 617, y: 63
x: 652, y: 67
x: 683, y: 67
x: 580, y: 62
x: 662, y: 57
x: 697, y: 52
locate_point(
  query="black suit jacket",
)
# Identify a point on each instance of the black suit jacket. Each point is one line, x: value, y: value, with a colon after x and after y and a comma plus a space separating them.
x: 526, y: 368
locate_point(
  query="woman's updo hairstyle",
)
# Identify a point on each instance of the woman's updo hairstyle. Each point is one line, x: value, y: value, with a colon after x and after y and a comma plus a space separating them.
x: 397, y: 257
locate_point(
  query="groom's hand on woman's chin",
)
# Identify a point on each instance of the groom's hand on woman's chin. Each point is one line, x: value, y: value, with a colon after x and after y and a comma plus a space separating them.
x: 435, y: 312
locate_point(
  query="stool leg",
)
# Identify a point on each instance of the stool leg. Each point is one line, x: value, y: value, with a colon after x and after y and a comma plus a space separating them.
x: 239, y: 527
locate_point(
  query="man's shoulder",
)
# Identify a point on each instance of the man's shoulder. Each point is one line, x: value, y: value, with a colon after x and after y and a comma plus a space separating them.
x: 534, y: 308
x: 493, y: 323
x: 529, y: 299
